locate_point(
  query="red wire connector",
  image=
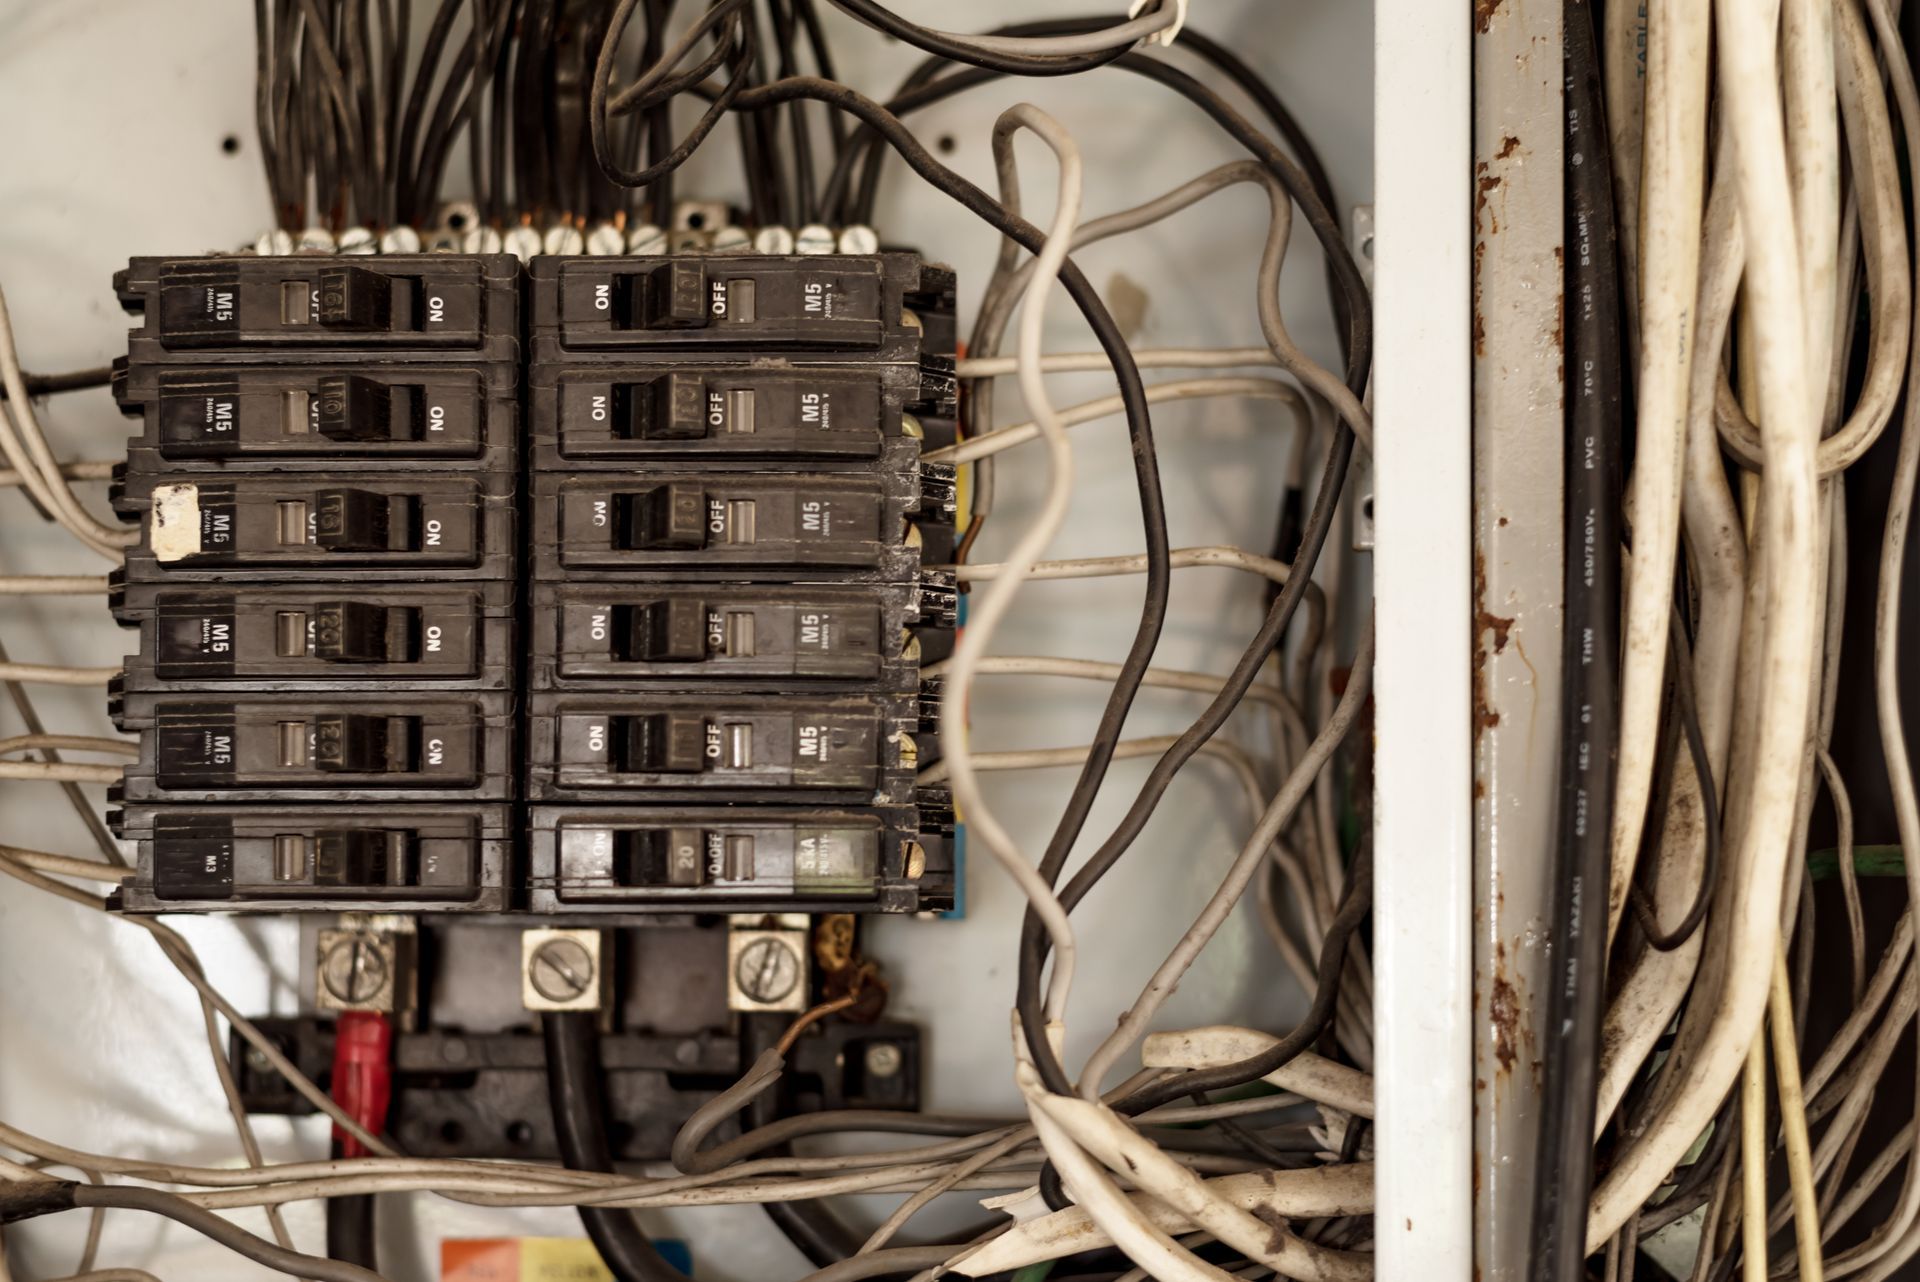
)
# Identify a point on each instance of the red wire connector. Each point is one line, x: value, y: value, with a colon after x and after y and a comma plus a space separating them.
x: 362, y: 1074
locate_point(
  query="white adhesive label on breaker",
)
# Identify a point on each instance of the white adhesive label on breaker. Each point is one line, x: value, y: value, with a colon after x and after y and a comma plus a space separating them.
x: 174, y: 523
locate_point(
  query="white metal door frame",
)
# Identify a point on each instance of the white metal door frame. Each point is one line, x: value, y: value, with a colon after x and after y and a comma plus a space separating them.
x: 1423, y: 554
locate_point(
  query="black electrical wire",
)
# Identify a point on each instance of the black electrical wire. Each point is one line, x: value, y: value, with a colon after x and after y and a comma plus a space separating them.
x: 458, y: 105
x: 805, y: 196
x: 405, y: 156
x: 823, y: 66
x: 485, y: 55
x: 316, y: 132
x: 1286, y: 542
x: 1194, y: 41
x: 742, y: 50
x: 1590, y: 674
x: 1009, y: 64
x: 1355, y: 908
x: 815, y: 1231
x: 1244, y: 1139
x: 1080, y: 802
x: 1687, y: 710
x: 578, y: 1100
x: 263, y: 65
x: 499, y: 107
x: 357, y: 62
x: 659, y: 118
x: 436, y: 143
x: 529, y: 110
x: 759, y: 132
x: 1146, y: 462
x: 342, y: 122
x: 350, y: 1227
x: 568, y: 104
x: 1304, y: 180
x: 1034, y: 941
x: 396, y: 30
x: 78, y: 380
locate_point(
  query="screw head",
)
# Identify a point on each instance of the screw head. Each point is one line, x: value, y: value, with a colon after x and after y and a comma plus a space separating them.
x: 766, y: 970
x: 858, y: 238
x: 884, y: 1059
x: 561, y: 970
x: 354, y: 970
x: 454, y: 1051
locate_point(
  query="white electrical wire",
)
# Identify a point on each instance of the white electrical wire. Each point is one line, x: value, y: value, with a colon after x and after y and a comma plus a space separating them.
x: 1720, y: 1028
x: 52, y: 585
x: 1131, y: 32
x: 1299, y: 782
x: 1669, y: 249
x: 990, y: 607
x: 25, y: 447
x: 1129, y: 1227
x: 52, y: 674
x: 1144, y: 357
x: 59, y: 772
x: 85, y: 470
x: 1265, y: 389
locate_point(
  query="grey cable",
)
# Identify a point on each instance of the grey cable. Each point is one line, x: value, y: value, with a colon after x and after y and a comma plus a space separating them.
x: 226, y: 1233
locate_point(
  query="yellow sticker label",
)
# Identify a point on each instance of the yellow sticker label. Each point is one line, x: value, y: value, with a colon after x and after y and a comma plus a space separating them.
x: 527, y: 1259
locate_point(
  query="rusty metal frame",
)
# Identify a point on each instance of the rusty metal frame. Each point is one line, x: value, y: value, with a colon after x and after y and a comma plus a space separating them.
x: 1518, y: 501
x: 1423, y: 556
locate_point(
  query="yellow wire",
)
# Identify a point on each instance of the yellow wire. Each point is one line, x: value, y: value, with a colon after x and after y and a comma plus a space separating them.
x: 1793, y: 1115
x: 1753, y: 1162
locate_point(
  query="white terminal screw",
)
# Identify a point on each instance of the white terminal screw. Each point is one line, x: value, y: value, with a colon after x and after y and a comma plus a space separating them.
x: 884, y: 1059
x: 561, y: 970
x: 767, y: 970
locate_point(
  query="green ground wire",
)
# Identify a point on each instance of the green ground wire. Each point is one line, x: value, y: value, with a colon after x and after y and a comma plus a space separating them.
x: 1868, y: 861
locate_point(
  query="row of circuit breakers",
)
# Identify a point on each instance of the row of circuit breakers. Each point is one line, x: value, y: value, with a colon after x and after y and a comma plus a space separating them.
x: 595, y: 585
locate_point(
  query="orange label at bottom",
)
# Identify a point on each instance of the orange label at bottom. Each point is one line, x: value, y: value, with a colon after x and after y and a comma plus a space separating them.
x: 523, y: 1259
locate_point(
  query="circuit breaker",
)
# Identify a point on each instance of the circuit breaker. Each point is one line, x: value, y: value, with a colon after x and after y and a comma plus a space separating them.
x: 597, y: 586
x: 731, y: 532
x: 326, y: 471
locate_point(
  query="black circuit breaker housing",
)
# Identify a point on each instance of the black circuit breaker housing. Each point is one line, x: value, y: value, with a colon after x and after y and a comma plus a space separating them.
x: 694, y: 635
x: 664, y: 859
x: 410, y: 524
x: 341, y: 414
x: 318, y: 858
x: 763, y: 524
x: 344, y: 744
x: 820, y: 749
x: 319, y: 636
x: 727, y: 406
x: 399, y: 308
x: 885, y: 307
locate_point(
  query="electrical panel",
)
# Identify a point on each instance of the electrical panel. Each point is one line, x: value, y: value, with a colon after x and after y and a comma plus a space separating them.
x: 598, y: 585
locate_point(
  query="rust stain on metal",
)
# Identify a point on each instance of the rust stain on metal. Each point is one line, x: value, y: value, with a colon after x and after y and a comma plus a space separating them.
x: 1483, y: 14
x: 1500, y: 625
x: 1485, y: 715
x: 1503, y: 1012
x: 1508, y: 145
x: 1484, y: 188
